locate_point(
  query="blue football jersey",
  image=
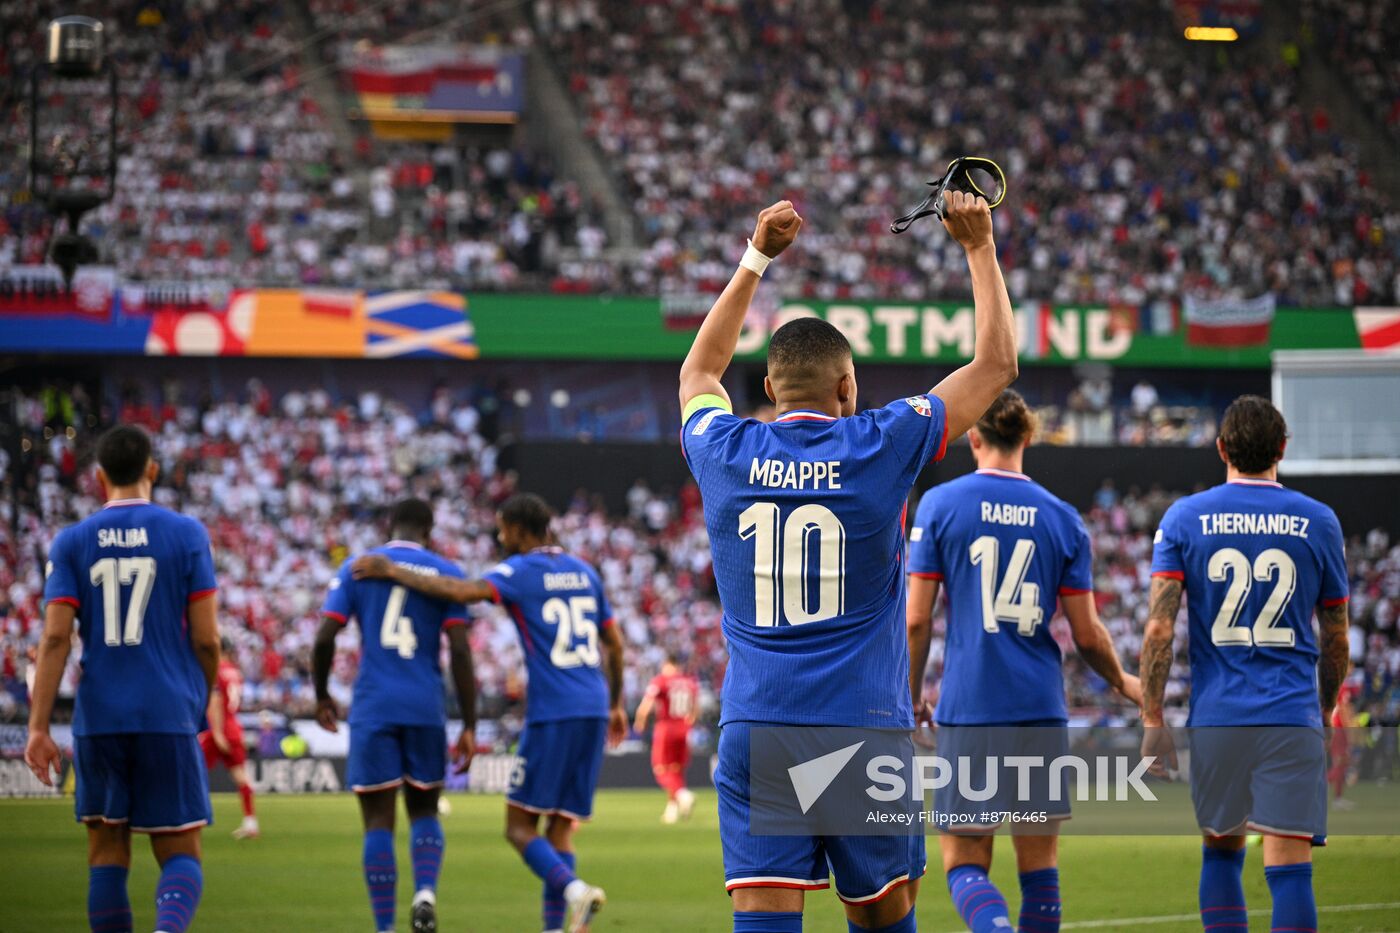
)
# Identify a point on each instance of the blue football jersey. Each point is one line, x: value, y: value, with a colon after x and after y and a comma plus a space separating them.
x: 400, y: 679
x: 1006, y: 550
x: 131, y: 570
x: 558, y: 605
x: 805, y: 523
x: 1255, y: 558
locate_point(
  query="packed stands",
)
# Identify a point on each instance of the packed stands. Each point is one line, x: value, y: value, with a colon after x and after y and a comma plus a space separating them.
x: 282, y: 516
x: 1359, y: 38
x: 1141, y: 167
x: 1151, y: 171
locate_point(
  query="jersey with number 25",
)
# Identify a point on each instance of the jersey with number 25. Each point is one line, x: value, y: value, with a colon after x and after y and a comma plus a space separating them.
x: 400, y: 679
x: 557, y: 603
x: 806, y: 532
x: 1255, y: 558
x: 130, y: 571
x: 1006, y: 550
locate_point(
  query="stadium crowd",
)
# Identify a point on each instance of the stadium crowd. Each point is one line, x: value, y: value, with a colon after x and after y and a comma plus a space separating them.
x: 1359, y: 38
x: 1149, y: 172
x: 290, y: 486
x: 1141, y: 168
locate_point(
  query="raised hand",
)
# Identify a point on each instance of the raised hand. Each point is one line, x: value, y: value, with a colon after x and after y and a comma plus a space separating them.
x: 776, y: 228
x: 968, y: 219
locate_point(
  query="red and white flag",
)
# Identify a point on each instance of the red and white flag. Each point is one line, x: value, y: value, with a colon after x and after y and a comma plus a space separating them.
x: 1228, y: 322
x: 1378, y: 328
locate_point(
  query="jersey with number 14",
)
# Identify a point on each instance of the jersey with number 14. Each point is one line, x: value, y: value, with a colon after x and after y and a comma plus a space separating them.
x: 1255, y: 558
x: 1006, y: 550
x: 400, y: 679
x: 805, y: 523
x: 130, y: 571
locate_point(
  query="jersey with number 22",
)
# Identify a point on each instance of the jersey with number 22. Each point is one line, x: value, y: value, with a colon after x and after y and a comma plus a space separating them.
x: 805, y: 524
x: 1255, y: 558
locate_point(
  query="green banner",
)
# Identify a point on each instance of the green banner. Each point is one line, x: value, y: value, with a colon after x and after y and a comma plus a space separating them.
x: 591, y: 327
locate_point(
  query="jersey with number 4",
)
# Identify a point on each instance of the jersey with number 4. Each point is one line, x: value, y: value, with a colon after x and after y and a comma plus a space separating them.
x: 558, y: 606
x: 805, y: 523
x: 130, y: 571
x: 1006, y: 550
x: 400, y: 679
x: 1255, y: 558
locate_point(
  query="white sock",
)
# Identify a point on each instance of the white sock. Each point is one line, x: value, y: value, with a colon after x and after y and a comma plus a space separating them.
x: 425, y: 894
x: 575, y: 889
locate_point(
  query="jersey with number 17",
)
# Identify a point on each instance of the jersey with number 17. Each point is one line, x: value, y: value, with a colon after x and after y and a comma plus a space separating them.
x: 805, y: 519
x: 130, y: 571
x: 400, y: 679
x: 1255, y: 559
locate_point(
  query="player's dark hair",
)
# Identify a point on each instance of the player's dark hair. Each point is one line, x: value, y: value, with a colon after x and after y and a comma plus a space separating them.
x: 1253, y: 433
x: 805, y: 345
x: 528, y: 512
x: 1009, y: 423
x: 412, y: 516
x: 123, y: 453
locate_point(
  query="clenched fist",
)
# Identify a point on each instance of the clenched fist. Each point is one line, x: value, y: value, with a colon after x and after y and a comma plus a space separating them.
x: 776, y: 229
x: 968, y: 219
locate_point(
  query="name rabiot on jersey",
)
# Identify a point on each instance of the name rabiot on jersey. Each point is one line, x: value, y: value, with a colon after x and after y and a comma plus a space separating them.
x: 1255, y: 558
x: 1005, y: 549
x: 400, y: 679
x: 804, y: 518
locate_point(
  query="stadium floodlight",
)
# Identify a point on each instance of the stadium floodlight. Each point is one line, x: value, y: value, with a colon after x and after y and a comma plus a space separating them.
x: 1211, y: 34
x: 67, y: 172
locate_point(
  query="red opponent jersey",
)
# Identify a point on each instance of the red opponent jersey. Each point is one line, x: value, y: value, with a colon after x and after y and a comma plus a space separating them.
x: 230, y: 688
x: 674, y: 697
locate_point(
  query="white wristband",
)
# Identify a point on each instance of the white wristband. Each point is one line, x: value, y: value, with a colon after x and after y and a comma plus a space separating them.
x: 754, y: 260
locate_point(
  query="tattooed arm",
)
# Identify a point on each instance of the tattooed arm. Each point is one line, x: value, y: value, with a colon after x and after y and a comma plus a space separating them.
x: 1334, y: 658
x: 1155, y: 665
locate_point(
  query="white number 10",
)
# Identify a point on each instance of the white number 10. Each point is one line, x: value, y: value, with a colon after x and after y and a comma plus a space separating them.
x: 782, y: 572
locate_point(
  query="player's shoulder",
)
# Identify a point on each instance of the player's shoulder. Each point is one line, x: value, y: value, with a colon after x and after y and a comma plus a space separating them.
x: 445, y: 565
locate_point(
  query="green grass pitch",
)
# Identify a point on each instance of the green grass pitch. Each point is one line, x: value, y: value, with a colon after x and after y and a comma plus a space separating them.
x: 304, y: 874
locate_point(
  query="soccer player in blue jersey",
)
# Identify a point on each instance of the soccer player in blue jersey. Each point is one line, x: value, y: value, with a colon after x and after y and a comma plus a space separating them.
x: 397, y: 715
x: 573, y: 654
x: 1256, y: 560
x: 1005, y: 551
x: 138, y: 580
x: 804, y: 518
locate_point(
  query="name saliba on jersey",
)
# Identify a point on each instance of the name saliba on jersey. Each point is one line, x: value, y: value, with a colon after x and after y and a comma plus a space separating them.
x: 123, y: 537
x: 1254, y: 523
x: 795, y: 474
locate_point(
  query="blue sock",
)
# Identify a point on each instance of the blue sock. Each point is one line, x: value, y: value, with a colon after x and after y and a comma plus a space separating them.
x: 546, y: 863
x: 1040, y: 901
x: 1295, y: 911
x: 109, y: 909
x: 977, y: 900
x: 381, y: 876
x: 907, y: 925
x: 426, y: 842
x: 1222, y: 893
x: 177, y: 893
x: 753, y: 921
x: 554, y: 901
